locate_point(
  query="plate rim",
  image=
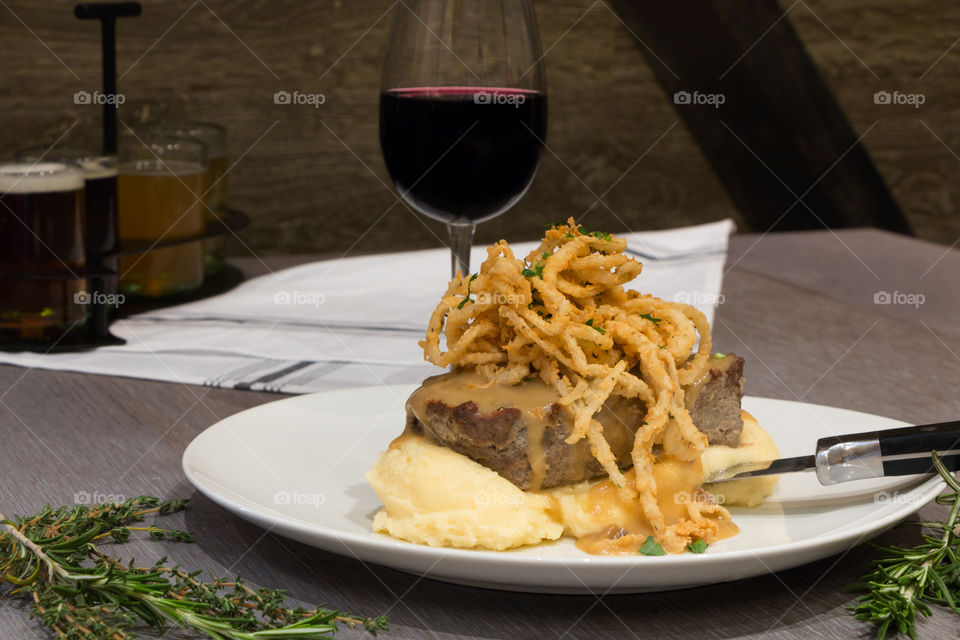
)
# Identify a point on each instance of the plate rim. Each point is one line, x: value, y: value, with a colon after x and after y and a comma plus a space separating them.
x: 923, y: 491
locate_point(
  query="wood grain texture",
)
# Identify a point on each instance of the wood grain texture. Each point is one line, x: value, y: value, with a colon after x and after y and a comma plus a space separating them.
x: 767, y: 121
x: 810, y: 335
x: 303, y: 177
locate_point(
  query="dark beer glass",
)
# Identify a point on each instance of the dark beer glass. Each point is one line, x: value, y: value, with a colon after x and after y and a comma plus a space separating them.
x: 42, y: 253
x: 100, y: 175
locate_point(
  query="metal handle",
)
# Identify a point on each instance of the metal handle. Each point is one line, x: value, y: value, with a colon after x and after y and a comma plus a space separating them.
x: 845, y: 458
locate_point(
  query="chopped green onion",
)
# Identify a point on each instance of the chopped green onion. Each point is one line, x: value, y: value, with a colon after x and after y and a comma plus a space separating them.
x: 697, y: 546
x: 652, y: 548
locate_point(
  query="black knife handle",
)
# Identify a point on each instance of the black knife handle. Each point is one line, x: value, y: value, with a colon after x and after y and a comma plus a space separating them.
x: 909, y: 467
x: 943, y: 437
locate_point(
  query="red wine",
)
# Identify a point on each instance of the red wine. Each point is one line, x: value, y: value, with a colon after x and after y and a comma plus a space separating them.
x: 462, y: 154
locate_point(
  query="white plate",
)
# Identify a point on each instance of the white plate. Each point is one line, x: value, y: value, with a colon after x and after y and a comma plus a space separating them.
x: 296, y: 467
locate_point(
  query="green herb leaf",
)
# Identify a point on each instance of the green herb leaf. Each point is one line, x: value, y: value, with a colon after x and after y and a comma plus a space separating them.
x: 536, y: 271
x: 697, y: 546
x: 650, y: 317
x: 905, y: 581
x: 553, y: 225
x: 467, y: 299
x: 652, y: 548
x: 54, y: 561
x: 546, y: 254
x: 719, y: 356
x: 600, y: 330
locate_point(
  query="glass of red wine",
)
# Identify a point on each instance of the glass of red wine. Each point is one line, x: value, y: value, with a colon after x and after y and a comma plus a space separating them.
x: 463, y: 110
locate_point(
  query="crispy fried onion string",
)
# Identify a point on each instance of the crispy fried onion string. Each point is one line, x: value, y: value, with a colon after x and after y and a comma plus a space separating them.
x: 564, y: 315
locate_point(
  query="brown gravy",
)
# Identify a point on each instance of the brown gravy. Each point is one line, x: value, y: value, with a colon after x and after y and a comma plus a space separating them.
x: 532, y: 398
x: 678, y: 482
x: 468, y: 386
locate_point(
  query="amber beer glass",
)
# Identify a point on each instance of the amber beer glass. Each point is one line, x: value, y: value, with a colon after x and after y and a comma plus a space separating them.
x: 41, y: 251
x: 214, y: 137
x: 160, y: 189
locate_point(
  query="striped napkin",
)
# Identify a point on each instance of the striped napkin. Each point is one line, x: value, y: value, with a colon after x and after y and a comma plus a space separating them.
x: 347, y: 322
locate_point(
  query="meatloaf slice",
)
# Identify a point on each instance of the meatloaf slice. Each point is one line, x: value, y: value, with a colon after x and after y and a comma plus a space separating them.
x: 714, y: 401
x: 500, y: 440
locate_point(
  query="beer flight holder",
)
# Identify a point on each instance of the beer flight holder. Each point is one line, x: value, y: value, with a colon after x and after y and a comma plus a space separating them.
x: 95, y: 332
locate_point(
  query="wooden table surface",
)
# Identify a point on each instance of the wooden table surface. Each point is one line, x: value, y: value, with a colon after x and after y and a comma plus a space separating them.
x: 799, y: 307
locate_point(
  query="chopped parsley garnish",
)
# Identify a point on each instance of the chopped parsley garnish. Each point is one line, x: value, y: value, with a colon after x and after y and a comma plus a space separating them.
x: 697, y: 546
x: 600, y: 330
x: 546, y: 254
x: 601, y: 235
x: 719, y: 356
x: 553, y: 225
x: 467, y: 299
x: 570, y: 235
x: 582, y: 230
x: 652, y: 548
x: 536, y: 271
x: 528, y: 379
x: 650, y: 317
x: 660, y: 346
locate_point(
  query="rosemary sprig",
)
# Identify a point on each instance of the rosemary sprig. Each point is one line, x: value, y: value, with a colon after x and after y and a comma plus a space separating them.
x: 906, y: 581
x: 80, y: 593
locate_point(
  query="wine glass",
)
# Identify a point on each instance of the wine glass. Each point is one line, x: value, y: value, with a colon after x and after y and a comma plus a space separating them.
x: 463, y: 110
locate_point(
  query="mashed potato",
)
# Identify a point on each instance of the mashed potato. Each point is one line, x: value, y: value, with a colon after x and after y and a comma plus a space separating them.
x: 434, y: 496
x: 755, y: 446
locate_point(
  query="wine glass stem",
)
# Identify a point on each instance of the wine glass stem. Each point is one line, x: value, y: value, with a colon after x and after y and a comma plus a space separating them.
x: 461, y: 238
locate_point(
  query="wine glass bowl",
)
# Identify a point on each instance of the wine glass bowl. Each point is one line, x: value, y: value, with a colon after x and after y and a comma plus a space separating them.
x: 463, y: 110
